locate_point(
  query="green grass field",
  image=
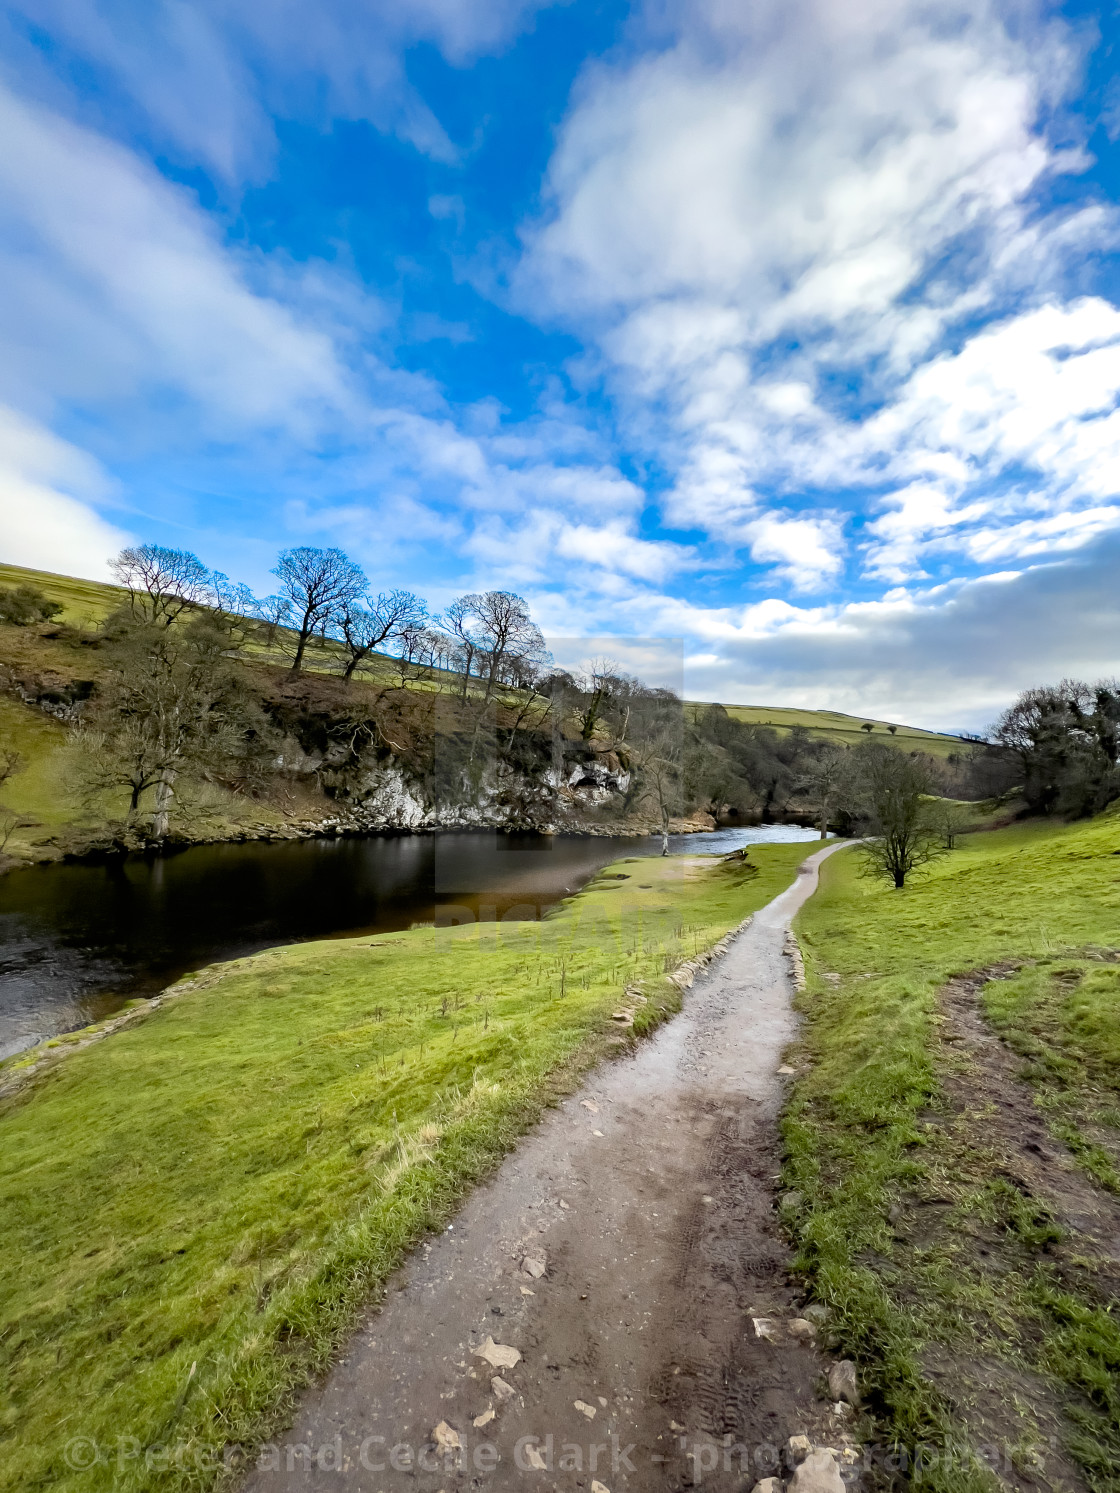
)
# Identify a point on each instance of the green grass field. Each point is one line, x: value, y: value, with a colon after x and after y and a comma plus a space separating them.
x: 225, y: 1183
x: 846, y: 729
x: 871, y: 1131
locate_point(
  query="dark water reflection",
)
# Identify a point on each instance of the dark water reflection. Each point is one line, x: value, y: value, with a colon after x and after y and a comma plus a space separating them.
x: 76, y: 941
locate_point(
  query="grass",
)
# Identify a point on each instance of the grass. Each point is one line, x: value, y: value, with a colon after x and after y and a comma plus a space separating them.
x: 193, y: 1211
x: 1062, y: 1015
x: 846, y: 729
x: 37, y: 793
x: 870, y: 1129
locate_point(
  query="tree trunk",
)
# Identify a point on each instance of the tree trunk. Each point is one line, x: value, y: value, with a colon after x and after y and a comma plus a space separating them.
x: 165, y: 792
x: 664, y: 831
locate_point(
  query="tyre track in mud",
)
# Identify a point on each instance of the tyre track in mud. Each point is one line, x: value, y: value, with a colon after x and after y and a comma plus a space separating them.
x: 648, y: 1196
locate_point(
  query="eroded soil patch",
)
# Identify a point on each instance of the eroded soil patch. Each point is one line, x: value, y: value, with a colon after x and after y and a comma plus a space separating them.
x: 1011, y: 1255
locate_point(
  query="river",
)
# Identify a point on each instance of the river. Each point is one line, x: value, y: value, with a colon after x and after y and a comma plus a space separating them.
x: 78, y: 940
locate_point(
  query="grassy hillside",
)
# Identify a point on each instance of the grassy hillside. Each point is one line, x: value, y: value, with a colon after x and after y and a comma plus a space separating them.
x: 846, y: 729
x: 223, y: 1184
x: 88, y: 602
x: 85, y: 603
x: 954, y: 1197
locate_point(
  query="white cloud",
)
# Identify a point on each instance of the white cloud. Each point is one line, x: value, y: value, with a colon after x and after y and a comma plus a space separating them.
x: 116, y: 283
x: 47, y: 489
x: 949, y: 657
x: 773, y: 220
x: 806, y: 550
x: 206, y: 79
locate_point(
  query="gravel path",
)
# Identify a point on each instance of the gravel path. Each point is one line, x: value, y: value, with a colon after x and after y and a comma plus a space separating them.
x: 622, y: 1252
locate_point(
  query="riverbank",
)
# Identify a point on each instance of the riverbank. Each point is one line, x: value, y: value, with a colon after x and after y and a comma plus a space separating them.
x: 953, y: 1169
x: 193, y: 1211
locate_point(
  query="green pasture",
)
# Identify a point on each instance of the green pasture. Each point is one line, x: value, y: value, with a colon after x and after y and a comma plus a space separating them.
x: 194, y: 1210
x: 872, y: 1139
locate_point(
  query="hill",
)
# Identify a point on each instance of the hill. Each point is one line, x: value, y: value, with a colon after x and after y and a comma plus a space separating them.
x: 847, y: 729
x: 86, y: 603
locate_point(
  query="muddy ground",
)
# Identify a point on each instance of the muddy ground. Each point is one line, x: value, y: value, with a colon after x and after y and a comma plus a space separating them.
x: 624, y: 1254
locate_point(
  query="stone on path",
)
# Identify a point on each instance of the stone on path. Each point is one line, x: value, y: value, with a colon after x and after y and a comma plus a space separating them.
x: 842, y: 1384
x: 797, y: 1449
x: 497, y: 1355
x: 501, y: 1390
x: 446, y: 1438
x: 819, y: 1473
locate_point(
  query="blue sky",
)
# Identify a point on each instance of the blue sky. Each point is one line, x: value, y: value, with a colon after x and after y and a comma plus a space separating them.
x: 791, y: 329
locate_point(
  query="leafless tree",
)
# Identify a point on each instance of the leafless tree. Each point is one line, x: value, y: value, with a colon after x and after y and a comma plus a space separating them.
x: 391, y: 618
x: 172, y: 704
x: 496, y: 639
x: 162, y: 583
x: 892, y: 790
x: 825, y: 779
x: 11, y: 762
x: 318, y: 584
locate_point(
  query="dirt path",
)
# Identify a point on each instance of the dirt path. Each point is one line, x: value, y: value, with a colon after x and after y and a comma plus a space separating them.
x: 648, y: 1198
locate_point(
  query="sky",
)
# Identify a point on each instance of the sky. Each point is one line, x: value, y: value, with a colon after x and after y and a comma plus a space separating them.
x: 789, y: 329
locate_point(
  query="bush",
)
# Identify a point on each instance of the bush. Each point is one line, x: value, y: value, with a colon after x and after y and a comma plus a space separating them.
x: 23, y: 606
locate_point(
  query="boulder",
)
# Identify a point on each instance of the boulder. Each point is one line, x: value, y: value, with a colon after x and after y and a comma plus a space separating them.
x: 819, y: 1473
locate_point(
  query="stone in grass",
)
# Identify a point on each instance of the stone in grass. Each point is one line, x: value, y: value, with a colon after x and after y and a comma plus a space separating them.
x: 842, y: 1383
x: 818, y: 1313
x: 819, y: 1473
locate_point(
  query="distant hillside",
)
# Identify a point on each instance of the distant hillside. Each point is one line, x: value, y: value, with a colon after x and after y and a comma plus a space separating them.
x: 88, y: 602
x: 847, y: 729
x: 83, y: 602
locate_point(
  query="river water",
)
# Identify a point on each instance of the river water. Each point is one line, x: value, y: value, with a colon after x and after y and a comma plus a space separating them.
x: 77, y: 941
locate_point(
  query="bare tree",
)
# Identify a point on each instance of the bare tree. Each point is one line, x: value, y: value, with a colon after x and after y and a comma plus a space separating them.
x: 512, y: 641
x: 460, y: 621
x: 825, y: 780
x: 10, y: 821
x: 11, y: 763
x: 392, y: 617
x: 893, y: 792
x: 317, y: 584
x: 171, y: 705
x: 496, y: 639
x: 162, y: 583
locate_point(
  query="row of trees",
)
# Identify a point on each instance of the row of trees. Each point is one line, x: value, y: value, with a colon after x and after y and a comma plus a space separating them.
x: 182, y: 700
x: 324, y: 595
